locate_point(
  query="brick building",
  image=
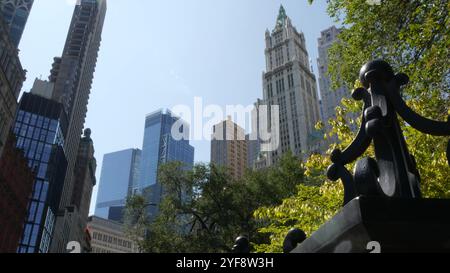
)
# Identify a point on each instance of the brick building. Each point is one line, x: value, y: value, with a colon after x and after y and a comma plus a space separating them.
x: 16, y: 183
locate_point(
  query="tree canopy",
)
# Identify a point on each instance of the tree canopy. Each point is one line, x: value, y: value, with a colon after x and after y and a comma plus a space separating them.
x: 205, y: 210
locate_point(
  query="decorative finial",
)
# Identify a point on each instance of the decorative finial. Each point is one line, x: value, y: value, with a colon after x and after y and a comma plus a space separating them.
x: 375, y: 69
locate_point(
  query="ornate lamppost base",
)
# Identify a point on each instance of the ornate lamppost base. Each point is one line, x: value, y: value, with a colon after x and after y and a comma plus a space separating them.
x: 386, y: 225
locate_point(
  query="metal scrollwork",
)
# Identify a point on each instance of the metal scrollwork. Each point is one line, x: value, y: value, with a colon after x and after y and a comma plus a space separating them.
x: 393, y: 172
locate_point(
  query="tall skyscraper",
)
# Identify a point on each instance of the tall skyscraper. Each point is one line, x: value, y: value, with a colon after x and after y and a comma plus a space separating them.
x: 15, y: 15
x: 160, y: 147
x: 229, y: 148
x: 12, y: 76
x: 72, y: 76
x: 330, y: 98
x: 119, y: 179
x: 40, y: 128
x: 289, y: 83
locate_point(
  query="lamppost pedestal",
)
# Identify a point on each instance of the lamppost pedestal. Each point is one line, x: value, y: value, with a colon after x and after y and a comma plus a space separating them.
x: 386, y: 225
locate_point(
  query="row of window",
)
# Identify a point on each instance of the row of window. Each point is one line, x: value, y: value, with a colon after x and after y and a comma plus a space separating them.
x: 30, y: 235
x: 295, y: 122
x: 101, y: 250
x: 279, y: 56
x: 47, y: 232
x: 280, y: 83
x: 111, y: 240
x: 37, y: 121
x: 278, y: 37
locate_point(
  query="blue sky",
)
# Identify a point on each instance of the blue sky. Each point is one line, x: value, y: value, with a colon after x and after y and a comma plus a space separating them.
x: 158, y: 54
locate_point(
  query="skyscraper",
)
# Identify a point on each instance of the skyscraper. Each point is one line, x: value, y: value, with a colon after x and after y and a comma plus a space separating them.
x: 40, y: 128
x: 15, y: 15
x: 72, y: 76
x: 330, y: 98
x: 161, y: 146
x: 289, y: 83
x: 229, y: 148
x: 119, y: 179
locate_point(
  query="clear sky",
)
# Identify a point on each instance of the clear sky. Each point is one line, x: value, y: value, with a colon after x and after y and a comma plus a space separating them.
x: 158, y: 54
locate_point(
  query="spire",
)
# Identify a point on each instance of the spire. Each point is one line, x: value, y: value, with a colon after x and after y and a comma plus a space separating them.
x: 281, y: 16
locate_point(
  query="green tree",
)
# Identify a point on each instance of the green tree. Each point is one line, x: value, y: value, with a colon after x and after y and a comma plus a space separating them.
x: 413, y: 36
x: 204, y: 210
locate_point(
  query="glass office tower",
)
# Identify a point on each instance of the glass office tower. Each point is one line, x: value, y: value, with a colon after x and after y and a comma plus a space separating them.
x: 15, y: 15
x: 161, y: 147
x: 119, y: 178
x: 40, y: 128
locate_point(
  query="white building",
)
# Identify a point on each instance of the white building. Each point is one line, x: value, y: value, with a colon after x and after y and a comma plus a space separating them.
x: 330, y: 98
x: 289, y: 83
x: 109, y: 237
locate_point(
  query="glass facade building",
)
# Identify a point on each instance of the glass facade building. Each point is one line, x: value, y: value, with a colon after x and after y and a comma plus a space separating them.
x: 161, y: 147
x: 40, y: 128
x: 119, y: 178
x: 15, y: 15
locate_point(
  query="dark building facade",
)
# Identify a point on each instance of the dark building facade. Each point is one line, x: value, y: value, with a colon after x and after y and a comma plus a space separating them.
x: 40, y: 128
x: 117, y: 214
x: 72, y: 75
x: 16, y: 183
x: 15, y: 15
x: 84, y: 182
x: 12, y: 77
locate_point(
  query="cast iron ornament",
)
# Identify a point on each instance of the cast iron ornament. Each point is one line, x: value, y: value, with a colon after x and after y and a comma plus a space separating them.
x: 393, y: 172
